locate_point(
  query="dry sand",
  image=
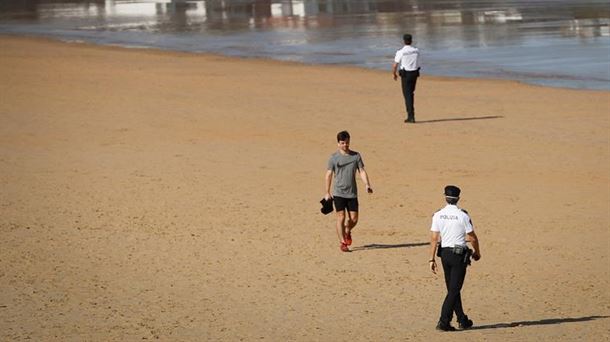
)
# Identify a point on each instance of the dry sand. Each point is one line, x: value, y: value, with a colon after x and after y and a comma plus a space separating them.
x: 158, y: 195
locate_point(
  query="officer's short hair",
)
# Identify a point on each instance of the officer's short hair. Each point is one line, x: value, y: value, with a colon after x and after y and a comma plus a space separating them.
x: 451, y: 200
x: 342, y: 136
x: 407, y: 38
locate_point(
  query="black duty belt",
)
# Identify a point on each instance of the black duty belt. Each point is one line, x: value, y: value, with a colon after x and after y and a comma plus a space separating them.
x: 459, y: 250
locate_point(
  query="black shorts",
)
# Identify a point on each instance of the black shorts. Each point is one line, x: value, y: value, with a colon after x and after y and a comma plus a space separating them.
x: 341, y: 203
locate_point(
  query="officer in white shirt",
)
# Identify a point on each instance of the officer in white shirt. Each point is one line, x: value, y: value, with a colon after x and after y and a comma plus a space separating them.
x: 452, y: 224
x: 406, y: 64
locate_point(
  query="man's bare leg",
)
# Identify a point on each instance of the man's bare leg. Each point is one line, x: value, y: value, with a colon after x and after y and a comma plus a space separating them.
x: 341, y: 226
x: 352, y: 221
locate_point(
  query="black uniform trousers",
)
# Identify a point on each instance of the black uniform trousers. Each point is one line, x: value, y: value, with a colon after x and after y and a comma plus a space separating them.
x: 408, y: 81
x: 455, y: 272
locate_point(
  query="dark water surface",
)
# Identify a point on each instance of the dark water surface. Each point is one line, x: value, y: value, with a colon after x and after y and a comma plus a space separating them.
x: 549, y: 42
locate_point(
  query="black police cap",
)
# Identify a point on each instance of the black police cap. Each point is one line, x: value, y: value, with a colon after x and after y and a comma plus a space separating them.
x: 452, y: 191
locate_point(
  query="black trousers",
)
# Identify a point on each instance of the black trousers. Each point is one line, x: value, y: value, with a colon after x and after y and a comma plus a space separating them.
x: 408, y: 81
x: 455, y: 272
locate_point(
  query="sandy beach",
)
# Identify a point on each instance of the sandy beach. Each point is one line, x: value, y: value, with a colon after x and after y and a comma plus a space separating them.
x: 172, y: 196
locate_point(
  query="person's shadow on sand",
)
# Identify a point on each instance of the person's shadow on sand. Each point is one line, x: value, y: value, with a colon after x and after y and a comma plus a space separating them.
x: 381, y: 246
x: 540, y: 322
x: 460, y: 119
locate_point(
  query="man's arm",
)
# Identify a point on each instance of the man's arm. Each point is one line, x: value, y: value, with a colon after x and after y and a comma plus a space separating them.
x: 474, y: 241
x: 395, y: 71
x: 433, y: 246
x: 328, y: 178
x: 365, y: 179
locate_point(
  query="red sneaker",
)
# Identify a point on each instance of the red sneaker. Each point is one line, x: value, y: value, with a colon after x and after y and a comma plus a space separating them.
x: 344, y: 248
x: 348, y: 239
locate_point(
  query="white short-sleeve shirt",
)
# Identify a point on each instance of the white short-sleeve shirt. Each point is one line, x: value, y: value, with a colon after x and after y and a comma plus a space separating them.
x: 453, y: 224
x: 408, y: 57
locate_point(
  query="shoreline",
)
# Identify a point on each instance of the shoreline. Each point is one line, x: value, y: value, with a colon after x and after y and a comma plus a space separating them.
x: 148, y: 48
x: 149, y: 194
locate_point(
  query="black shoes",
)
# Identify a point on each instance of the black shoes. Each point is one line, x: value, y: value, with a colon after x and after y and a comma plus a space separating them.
x: 444, y: 327
x: 410, y: 120
x: 465, y: 324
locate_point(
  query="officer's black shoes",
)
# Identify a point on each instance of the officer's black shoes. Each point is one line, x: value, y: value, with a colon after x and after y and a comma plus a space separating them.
x: 444, y: 327
x: 409, y: 120
x: 465, y: 324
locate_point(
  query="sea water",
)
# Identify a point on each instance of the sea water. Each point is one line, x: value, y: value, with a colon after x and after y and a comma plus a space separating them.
x: 548, y: 42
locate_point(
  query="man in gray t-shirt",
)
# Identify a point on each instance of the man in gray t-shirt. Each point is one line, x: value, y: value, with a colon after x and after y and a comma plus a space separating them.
x: 344, y: 164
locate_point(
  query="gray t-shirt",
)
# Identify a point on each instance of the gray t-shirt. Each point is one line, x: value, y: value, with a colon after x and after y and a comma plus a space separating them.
x: 345, y: 167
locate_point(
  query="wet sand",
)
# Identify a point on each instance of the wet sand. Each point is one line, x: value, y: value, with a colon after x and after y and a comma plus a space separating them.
x: 157, y: 195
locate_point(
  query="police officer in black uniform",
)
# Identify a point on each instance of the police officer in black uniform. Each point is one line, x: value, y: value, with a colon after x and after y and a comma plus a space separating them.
x: 452, y: 224
x: 406, y: 64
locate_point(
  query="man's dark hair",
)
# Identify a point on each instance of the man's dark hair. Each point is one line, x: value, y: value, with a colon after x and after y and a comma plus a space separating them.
x: 451, y: 200
x: 407, y: 38
x: 342, y: 136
